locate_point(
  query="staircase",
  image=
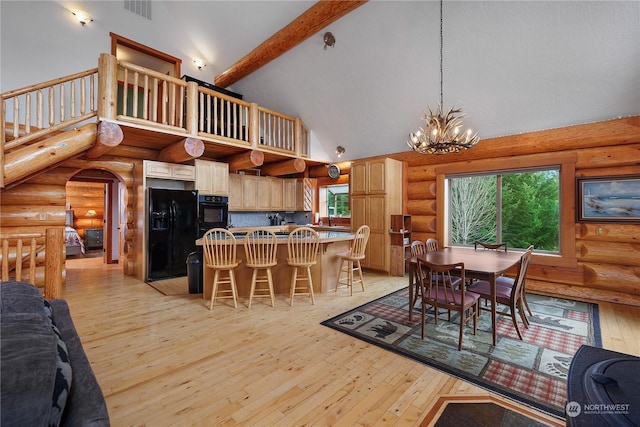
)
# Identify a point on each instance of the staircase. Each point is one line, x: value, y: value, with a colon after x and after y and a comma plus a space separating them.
x: 38, y: 123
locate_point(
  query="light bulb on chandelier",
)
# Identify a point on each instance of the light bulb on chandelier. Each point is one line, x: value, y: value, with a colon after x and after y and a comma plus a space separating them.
x: 442, y: 134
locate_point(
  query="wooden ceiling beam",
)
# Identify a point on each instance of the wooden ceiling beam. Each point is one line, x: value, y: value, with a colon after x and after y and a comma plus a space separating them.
x: 304, y: 26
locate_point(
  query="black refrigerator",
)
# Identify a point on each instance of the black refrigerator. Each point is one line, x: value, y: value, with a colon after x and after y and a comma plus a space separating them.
x: 173, y: 230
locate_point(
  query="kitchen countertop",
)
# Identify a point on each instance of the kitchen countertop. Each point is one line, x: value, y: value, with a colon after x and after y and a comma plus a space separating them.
x: 283, y: 235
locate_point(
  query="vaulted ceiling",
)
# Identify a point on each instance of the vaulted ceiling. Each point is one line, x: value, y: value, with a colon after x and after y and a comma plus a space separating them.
x: 513, y: 67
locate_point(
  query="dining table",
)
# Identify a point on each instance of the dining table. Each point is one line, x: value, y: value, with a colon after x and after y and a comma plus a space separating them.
x: 479, y: 264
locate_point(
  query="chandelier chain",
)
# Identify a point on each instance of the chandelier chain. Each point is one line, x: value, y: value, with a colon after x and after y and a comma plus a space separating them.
x: 441, y: 56
x: 443, y: 132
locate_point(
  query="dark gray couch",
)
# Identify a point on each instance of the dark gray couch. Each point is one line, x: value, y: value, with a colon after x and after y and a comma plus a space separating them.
x: 45, y: 376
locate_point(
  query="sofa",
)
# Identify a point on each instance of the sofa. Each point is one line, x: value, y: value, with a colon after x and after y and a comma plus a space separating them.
x: 46, y: 378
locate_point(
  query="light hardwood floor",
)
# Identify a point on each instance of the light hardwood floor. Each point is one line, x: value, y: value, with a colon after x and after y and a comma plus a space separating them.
x: 169, y: 361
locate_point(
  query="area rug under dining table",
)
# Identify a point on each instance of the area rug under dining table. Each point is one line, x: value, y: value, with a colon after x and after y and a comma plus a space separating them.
x: 532, y: 371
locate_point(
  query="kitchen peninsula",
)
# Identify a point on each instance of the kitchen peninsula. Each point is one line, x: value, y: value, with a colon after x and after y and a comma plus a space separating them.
x: 324, y: 274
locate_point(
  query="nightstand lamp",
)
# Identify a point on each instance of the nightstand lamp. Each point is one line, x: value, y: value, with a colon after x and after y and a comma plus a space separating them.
x: 91, y: 213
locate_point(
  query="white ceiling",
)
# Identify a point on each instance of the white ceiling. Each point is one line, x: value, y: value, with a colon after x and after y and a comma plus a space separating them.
x: 513, y: 66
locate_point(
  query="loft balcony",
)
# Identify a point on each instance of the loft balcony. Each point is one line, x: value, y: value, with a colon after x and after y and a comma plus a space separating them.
x: 152, y: 111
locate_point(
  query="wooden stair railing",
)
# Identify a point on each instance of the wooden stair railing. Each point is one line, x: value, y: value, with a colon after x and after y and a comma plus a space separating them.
x: 39, y: 111
x: 13, y: 257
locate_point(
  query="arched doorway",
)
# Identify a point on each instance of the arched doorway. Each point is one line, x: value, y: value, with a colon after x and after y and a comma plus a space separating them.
x: 96, y: 201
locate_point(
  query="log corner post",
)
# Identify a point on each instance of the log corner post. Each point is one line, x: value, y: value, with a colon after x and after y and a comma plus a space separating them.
x: 192, y: 108
x: 297, y: 138
x: 254, y: 126
x: 107, y: 86
x: 54, y: 262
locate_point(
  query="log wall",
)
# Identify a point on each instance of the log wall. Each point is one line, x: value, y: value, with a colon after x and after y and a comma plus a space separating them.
x: 608, y: 254
x: 608, y: 265
x: 82, y: 197
x: 40, y: 203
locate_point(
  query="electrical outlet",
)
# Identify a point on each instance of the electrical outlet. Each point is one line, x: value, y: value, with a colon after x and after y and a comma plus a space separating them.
x: 600, y: 230
x: 42, y: 216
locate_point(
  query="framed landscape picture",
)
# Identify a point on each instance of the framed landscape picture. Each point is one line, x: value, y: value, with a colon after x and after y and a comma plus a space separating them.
x: 608, y: 199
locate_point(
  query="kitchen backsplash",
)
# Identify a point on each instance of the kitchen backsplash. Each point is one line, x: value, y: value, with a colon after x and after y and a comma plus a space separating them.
x: 260, y: 219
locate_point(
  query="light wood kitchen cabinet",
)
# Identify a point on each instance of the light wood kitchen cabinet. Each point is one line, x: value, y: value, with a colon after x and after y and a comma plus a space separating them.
x: 297, y: 194
x: 357, y: 178
x: 235, y: 192
x: 212, y: 178
x: 249, y: 192
x: 269, y: 193
x: 289, y: 194
x: 370, y: 177
x: 154, y: 169
x: 375, y: 195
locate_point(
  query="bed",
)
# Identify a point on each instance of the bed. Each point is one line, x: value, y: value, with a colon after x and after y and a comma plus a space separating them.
x: 72, y: 240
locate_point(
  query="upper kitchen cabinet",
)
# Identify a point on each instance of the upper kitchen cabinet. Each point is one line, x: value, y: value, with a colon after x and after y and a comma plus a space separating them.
x: 297, y: 194
x: 154, y: 169
x: 269, y: 193
x: 370, y: 177
x: 235, y: 192
x: 212, y: 178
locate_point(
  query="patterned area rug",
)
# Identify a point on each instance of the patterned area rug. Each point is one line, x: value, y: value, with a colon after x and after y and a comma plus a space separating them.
x: 532, y: 371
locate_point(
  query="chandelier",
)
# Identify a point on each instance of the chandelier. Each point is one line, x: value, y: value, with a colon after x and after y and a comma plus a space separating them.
x: 443, y: 131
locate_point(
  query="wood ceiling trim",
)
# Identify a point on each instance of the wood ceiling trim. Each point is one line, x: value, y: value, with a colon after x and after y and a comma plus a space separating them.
x: 304, y: 26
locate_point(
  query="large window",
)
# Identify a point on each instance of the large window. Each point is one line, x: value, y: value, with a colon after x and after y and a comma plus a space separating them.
x: 334, y: 201
x: 520, y: 207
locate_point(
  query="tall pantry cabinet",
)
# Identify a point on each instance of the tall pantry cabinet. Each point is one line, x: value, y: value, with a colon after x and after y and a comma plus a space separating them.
x: 375, y: 194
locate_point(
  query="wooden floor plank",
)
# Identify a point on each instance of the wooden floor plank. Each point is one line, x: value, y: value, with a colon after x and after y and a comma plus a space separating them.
x: 169, y: 360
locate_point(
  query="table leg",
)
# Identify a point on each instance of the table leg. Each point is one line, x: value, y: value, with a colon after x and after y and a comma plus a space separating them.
x: 411, y: 284
x: 492, y: 282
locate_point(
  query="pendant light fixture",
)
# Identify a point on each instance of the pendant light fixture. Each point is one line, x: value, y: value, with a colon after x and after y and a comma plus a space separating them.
x: 443, y: 133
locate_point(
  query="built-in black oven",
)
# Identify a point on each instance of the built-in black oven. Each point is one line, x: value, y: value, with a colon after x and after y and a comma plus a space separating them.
x: 213, y: 212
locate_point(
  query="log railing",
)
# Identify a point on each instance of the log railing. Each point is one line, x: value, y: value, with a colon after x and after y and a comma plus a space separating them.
x: 223, y: 116
x: 128, y: 93
x: 144, y: 96
x: 155, y: 100
x: 38, y: 110
x: 276, y: 130
x: 19, y: 259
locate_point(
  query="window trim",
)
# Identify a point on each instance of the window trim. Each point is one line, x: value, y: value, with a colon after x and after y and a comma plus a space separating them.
x: 567, y: 163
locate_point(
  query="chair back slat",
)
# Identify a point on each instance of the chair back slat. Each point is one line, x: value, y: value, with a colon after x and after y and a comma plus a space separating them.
x: 418, y: 247
x: 303, y: 244
x: 360, y: 242
x: 521, y: 274
x: 432, y: 245
x: 260, y: 247
x: 219, y: 248
x: 438, y: 282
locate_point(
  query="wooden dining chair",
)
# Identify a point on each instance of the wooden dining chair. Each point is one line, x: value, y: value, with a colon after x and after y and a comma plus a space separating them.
x: 350, y: 261
x: 260, y: 247
x: 219, y: 250
x: 509, y: 292
x: 441, y: 290
x: 432, y: 245
x: 302, y: 246
x: 490, y: 246
x: 418, y: 247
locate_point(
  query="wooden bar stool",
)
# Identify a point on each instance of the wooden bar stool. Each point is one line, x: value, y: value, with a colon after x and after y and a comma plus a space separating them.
x: 260, y: 246
x: 350, y: 261
x: 220, y: 255
x: 302, y: 245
